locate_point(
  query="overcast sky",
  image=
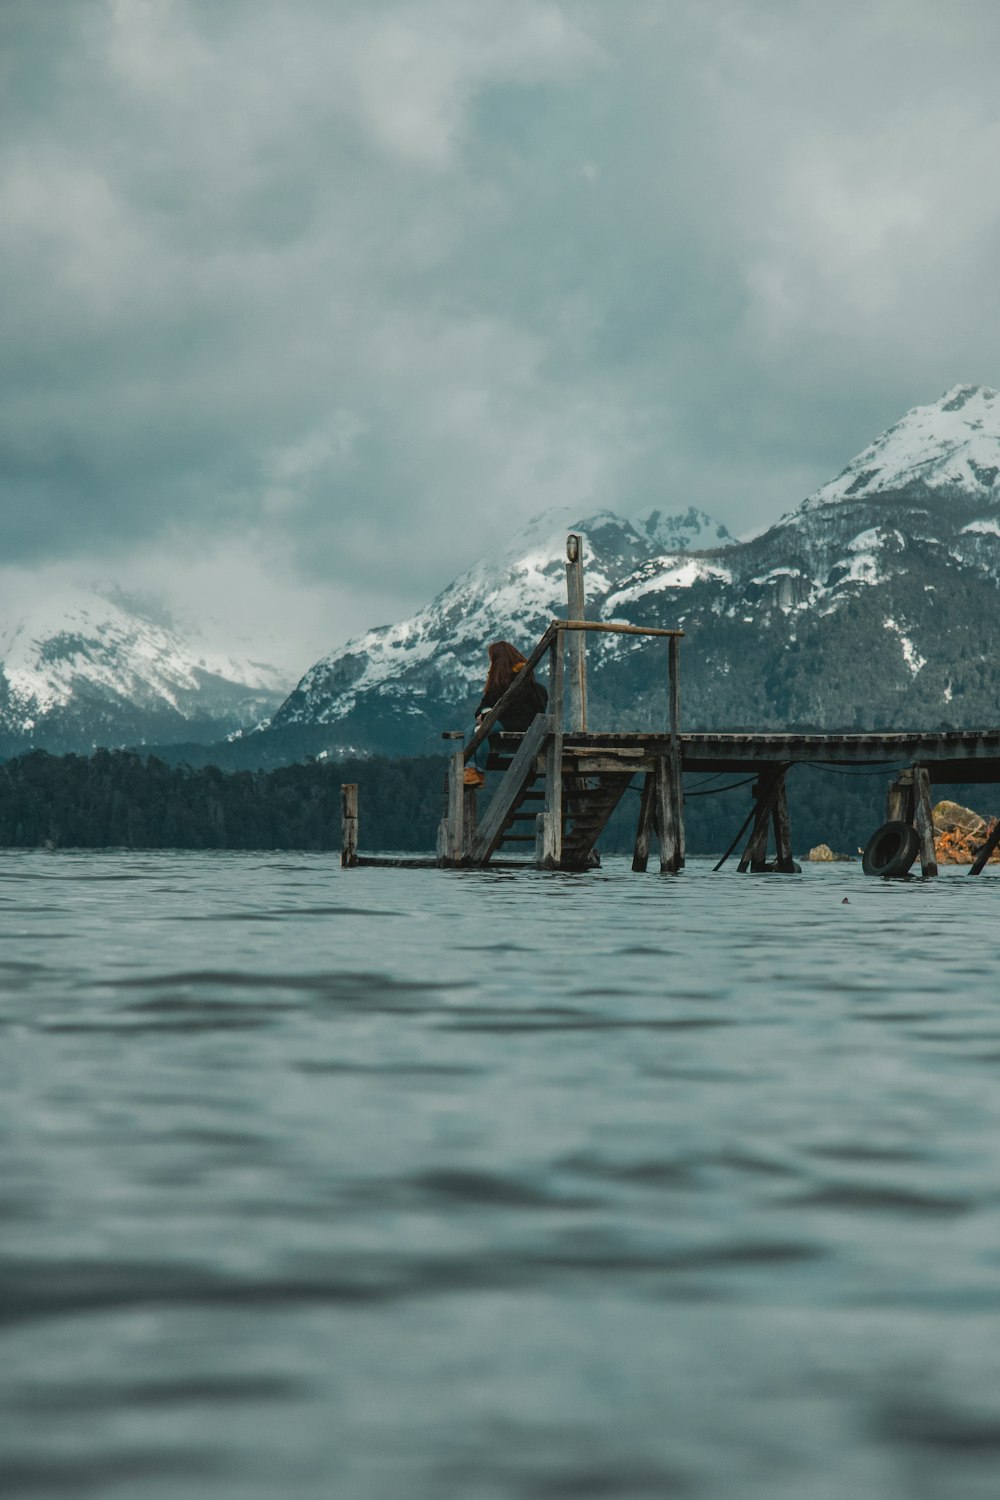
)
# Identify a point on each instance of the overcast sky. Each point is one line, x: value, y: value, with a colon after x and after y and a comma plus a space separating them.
x: 307, y: 303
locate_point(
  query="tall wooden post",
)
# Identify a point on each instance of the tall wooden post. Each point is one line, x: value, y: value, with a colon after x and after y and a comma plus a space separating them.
x: 348, y: 824
x: 552, y: 830
x: 577, y: 638
x: 924, y: 819
x: 676, y: 766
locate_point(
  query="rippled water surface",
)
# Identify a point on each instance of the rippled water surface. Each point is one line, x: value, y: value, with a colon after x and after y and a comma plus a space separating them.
x: 392, y: 1184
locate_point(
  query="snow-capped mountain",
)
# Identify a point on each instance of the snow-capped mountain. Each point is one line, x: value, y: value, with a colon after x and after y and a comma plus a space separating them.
x: 954, y: 444
x: 871, y: 604
x: 84, y: 669
x: 431, y: 664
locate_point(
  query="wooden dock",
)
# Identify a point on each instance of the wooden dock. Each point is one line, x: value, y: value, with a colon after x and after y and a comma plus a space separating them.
x: 558, y: 784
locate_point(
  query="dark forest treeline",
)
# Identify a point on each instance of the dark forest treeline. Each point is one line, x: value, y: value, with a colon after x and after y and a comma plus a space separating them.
x: 120, y: 799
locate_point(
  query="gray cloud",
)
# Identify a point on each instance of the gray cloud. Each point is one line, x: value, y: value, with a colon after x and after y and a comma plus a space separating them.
x: 348, y: 291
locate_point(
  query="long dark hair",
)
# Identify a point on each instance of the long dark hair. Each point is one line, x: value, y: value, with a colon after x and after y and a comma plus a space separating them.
x: 504, y: 658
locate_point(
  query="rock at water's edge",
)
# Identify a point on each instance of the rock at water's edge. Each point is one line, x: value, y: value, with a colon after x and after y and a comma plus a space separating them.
x: 823, y: 854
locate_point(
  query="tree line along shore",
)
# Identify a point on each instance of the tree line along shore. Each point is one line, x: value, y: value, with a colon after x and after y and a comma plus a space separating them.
x: 132, y: 800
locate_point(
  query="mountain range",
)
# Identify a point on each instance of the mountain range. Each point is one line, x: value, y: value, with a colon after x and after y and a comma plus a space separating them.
x: 870, y: 605
x: 87, y: 669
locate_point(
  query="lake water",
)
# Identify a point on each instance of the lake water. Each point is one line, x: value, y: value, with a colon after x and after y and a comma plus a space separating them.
x: 390, y: 1184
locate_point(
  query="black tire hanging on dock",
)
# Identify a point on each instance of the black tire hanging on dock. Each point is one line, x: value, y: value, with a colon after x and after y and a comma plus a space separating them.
x: 891, y: 850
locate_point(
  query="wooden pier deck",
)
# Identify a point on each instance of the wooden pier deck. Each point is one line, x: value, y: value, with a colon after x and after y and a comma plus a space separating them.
x: 952, y: 755
x: 559, y: 782
x: 949, y: 755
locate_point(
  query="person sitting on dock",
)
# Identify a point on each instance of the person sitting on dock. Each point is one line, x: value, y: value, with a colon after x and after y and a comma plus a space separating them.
x: 505, y: 663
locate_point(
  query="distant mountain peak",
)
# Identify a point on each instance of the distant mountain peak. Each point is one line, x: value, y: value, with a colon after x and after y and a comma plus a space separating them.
x: 953, y: 442
x: 81, y: 667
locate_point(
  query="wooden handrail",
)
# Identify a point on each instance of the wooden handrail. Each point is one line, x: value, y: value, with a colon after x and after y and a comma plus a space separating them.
x: 613, y: 629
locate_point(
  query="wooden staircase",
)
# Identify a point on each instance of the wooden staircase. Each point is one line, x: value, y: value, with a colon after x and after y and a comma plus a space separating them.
x: 556, y: 790
x: 588, y: 800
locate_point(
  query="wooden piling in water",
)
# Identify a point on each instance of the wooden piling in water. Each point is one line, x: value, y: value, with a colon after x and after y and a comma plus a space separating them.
x: 784, y: 860
x: 348, y: 824
x: 899, y: 799
x: 666, y: 803
x: 924, y: 820
x: 646, y: 824
x: 765, y: 794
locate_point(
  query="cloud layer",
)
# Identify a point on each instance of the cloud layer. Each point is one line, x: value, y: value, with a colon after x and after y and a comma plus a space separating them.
x: 338, y: 295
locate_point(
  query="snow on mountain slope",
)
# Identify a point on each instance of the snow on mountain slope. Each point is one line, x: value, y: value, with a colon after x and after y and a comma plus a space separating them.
x: 953, y: 442
x: 86, y: 659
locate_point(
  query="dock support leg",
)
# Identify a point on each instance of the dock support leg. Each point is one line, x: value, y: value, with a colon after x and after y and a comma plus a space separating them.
x: 666, y: 815
x: 470, y: 818
x: 644, y: 829
x: 348, y: 825
x: 924, y: 820
x: 765, y: 795
x: 899, y: 799
x: 782, y: 832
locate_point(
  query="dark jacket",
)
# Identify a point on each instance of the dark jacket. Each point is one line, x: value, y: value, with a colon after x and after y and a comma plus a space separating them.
x: 517, y: 716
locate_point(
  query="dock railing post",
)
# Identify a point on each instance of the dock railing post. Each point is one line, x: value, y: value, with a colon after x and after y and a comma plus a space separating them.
x: 577, y: 638
x: 348, y: 824
x: 552, y: 829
